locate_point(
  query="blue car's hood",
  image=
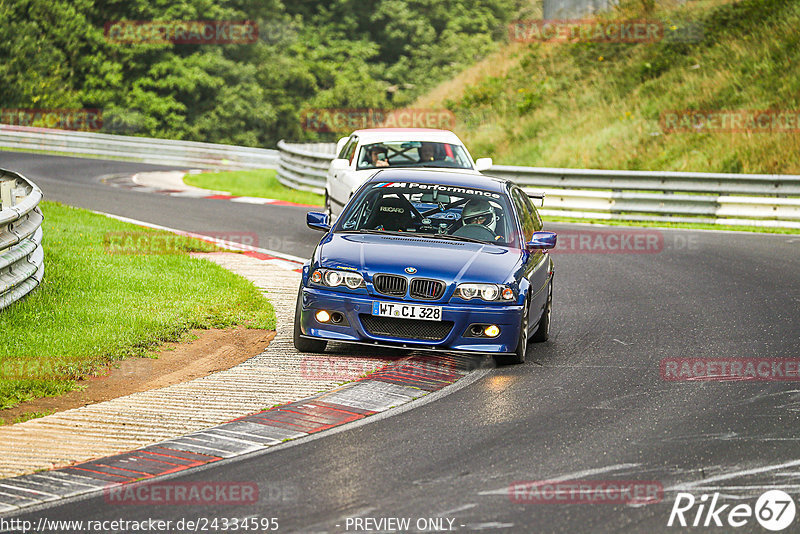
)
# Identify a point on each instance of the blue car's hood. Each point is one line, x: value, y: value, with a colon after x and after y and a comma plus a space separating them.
x: 451, y: 261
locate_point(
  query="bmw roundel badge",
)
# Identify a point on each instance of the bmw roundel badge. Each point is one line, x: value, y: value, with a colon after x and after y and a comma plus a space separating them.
x: 410, y: 270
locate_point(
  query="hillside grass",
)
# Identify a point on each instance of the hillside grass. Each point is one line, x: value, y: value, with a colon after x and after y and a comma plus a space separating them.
x: 598, y: 105
x: 107, y: 296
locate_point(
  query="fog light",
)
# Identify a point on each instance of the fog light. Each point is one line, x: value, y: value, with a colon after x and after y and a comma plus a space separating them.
x: 323, y: 316
x: 492, y: 330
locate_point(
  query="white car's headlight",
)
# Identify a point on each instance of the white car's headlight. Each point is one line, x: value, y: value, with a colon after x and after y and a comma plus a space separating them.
x: 484, y: 291
x: 334, y: 278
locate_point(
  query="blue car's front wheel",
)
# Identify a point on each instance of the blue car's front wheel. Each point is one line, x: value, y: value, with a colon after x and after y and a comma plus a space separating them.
x: 543, y: 331
x: 301, y: 343
x: 522, y: 343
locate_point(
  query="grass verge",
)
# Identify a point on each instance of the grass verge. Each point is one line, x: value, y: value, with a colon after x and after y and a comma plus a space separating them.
x: 262, y: 183
x: 688, y: 226
x: 112, y: 290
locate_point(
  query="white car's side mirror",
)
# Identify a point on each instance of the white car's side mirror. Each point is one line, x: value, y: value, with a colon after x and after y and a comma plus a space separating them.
x: 340, y: 164
x: 340, y: 145
x: 483, y: 164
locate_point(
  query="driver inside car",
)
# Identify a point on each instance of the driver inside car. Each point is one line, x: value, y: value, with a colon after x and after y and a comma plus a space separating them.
x: 375, y: 153
x: 480, y: 220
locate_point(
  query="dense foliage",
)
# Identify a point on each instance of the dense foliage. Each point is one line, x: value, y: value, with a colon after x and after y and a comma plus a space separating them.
x: 332, y: 53
x: 601, y: 105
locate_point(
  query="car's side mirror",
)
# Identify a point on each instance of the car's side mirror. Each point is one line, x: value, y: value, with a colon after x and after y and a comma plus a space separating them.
x: 318, y: 221
x: 340, y: 145
x: 541, y: 240
x: 483, y: 164
x: 339, y: 163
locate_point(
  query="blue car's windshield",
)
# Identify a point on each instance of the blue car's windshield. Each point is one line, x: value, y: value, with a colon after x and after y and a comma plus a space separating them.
x: 443, y: 211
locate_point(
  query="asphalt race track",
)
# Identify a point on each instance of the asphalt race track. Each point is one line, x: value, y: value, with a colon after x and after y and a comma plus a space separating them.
x: 589, y: 405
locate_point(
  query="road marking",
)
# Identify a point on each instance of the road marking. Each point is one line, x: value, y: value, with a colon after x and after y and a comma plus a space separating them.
x: 486, y: 526
x: 456, y: 510
x: 758, y: 487
x: 734, y: 474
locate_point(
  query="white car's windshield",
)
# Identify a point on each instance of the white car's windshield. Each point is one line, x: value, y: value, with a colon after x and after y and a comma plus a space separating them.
x: 413, y: 154
x: 444, y: 211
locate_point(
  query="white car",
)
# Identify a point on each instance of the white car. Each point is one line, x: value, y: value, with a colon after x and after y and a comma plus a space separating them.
x: 366, y: 151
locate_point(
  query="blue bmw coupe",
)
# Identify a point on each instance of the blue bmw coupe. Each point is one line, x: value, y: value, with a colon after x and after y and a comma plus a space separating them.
x: 429, y: 260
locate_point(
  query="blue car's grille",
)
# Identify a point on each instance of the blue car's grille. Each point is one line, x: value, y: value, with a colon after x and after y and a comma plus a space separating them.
x: 390, y: 284
x: 406, y: 328
x: 423, y: 288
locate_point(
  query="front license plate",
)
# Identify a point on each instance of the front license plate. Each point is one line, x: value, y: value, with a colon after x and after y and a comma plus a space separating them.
x: 407, y: 311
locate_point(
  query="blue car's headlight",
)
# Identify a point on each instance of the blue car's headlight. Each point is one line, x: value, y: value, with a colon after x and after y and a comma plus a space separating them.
x: 335, y: 278
x: 488, y: 292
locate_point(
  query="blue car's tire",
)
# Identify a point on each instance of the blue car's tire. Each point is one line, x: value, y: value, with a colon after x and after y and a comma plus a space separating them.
x: 300, y: 343
x: 543, y: 330
x: 522, y: 343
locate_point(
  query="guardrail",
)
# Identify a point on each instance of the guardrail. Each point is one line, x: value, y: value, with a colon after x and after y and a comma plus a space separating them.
x: 697, y: 197
x: 304, y: 166
x: 142, y: 149
x: 21, y: 254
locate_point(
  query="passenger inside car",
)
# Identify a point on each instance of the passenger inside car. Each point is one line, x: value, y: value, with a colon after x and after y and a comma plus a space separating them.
x: 427, y: 152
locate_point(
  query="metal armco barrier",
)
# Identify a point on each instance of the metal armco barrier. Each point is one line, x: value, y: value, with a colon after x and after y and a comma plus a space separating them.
x: 21, y: 254
x: 304, y: 166
x: 143, y: 149
x: 698, y: 197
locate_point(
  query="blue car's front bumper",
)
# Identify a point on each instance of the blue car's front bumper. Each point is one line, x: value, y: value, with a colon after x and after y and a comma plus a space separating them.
x: 357, y: 309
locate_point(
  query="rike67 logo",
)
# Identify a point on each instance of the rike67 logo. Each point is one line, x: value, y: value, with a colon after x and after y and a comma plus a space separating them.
x: 774, y: 510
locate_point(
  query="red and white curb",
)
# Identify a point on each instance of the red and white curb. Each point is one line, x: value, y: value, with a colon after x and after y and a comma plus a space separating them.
x: 171, y: 183
x: 273, y: 257
x: 392, y: 386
